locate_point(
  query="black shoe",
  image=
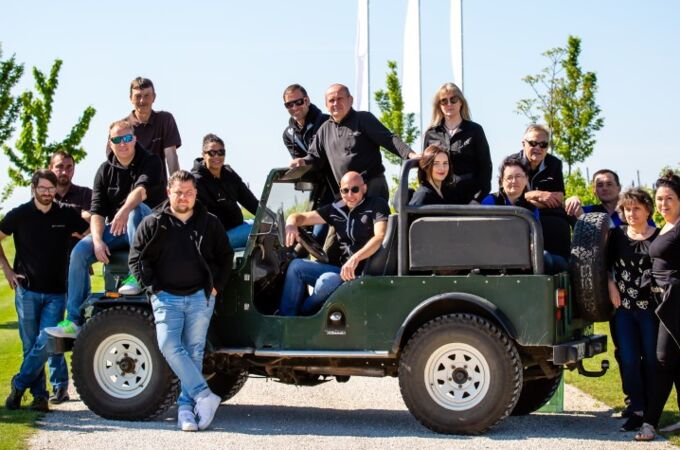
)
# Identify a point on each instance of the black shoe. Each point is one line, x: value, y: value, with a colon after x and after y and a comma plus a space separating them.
x: 40, y: 404
x: 633, y: 423
x: 60, y: 396
x: 627, y: 412
x: 14, y: 398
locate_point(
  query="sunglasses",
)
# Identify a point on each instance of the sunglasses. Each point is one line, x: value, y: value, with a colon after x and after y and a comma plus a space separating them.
x: 449, y: 101
x: 298, y: 102
x: 542, y: 144
x: 214, y: 153
x: 352, y: 189
x: 127, y: 138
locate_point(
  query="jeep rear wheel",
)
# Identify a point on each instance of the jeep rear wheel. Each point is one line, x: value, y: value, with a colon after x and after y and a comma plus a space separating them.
x: 460, y: 374
x: 535, y: 394
x: 118, y: 370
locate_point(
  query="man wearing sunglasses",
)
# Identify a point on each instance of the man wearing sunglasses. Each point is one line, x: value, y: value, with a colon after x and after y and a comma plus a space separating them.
x: 126, y: 187
x: 360, y: 223
x: 351, y: 141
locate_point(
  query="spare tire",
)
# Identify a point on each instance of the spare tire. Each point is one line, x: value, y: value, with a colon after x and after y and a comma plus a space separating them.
x: 588, y: 267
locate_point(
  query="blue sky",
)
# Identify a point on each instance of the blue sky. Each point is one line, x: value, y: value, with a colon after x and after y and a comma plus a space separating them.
x: 221, y: 67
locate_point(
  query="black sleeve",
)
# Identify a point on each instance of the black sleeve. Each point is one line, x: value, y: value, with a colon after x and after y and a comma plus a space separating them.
x: 382, y: 136
x: 141, y: 271
x: 100, y: 201
x: 559, y: 177
x: 87, y: 199
x: 223, y: 255
x: 150, y: 175
x: 76, y: 222
x: 381, y: 210
x: 289, y: 142
x: 9, y: 224
x: 316, y: 153
x: 246, y: 198
x: 325, y: 212
x: 484, y: 166
x: 419, y: 197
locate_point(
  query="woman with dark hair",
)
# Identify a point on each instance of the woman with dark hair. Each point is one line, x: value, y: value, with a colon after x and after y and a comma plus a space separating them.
x: 635, y: 323
x: 452, y: 129
x: 435, y: 178
x: 513, y: 176
x: 665, y: 253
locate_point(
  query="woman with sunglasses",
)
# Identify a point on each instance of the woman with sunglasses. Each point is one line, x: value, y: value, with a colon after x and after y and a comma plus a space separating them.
x: 221, y: 190
x: 436, y: 179
x: 452, y: 129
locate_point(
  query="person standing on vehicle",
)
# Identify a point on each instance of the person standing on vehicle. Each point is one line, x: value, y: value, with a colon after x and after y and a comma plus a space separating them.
x: 156, y: 131
x: 126, y: 186
x: 360, y: 223
x: 42, y: 231
x: 351, y: 141
x: 452, y: 129
x: 182, y: 257
x: 221, y: 190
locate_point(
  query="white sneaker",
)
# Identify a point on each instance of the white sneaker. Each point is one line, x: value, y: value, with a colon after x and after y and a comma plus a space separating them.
x: 186, y: 421
x: 205, y: 409
x: 130, y: 286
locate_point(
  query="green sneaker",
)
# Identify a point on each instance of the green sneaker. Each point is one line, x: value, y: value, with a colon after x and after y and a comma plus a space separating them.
x: 64, y: 329
x: 130, y: 286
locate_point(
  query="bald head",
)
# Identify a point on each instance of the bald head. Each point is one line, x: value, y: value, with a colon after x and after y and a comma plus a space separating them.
x: 338, y: 101
x: 352, y: 188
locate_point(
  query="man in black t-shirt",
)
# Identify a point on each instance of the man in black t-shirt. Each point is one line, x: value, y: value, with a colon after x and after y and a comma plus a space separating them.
x: 360, y: 223
x: 42, y: 229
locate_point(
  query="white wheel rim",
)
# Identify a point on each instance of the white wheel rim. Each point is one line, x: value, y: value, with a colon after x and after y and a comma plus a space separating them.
x: 122, y: 366
x: 457, y: 376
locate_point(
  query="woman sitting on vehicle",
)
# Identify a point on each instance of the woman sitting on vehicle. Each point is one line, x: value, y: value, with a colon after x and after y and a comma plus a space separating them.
x: 436, y: 179
x: 635, y: 323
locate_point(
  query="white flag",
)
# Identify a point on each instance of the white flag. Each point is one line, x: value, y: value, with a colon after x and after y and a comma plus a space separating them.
x: 411, y: 66
x: 457, y: 41
x: 361, y: 90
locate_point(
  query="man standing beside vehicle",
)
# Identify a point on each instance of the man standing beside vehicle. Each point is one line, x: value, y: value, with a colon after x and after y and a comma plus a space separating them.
x: 607, y: 188
x: 63, y: 166
x: 182, y: 256
x: 42, y: 231
x: 126, y: 187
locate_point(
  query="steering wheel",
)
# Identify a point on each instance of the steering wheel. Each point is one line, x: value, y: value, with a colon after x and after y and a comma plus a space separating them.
x: 312, y: 246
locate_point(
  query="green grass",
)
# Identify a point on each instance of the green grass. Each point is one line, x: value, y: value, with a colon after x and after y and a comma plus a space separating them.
x: 16, y: 426
x: 608, y: 390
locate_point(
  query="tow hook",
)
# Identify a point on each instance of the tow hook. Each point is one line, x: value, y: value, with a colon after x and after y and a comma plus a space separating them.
x: 604, y: 366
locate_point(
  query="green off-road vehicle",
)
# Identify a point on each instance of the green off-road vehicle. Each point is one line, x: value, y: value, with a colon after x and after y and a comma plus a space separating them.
x: 455, y: 303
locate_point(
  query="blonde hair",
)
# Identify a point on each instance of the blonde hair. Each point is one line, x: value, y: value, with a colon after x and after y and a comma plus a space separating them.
x: 449, y: 89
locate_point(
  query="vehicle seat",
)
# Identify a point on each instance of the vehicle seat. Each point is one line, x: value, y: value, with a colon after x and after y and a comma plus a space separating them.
x: 384, y: 261
x: 116, y: 270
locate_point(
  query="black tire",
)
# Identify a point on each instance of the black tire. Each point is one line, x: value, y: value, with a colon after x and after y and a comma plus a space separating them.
x: 226, y: 385
x: 118, y: 370
x: 490, y: 375
x: 535, y: 394
x: 588, y: 267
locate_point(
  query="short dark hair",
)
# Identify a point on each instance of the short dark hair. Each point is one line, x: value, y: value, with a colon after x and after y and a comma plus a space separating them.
x: 427, y: 161
x: 670, y: 180
x: 636, y: 195
x: 511, y: 161
x: 611, y: 172
x: 181, y: 176
x: 141, y: 83
x: 210, y: 137
x: 63, y: 153
x: 124, y: 124
x: 44, y: 174
x: 294, y: 87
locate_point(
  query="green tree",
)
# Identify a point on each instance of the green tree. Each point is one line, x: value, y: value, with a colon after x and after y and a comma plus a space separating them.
x: 565, y: 98
x: 576, y: 184
x: 10, y: 73
x: 391, y: 104
x: 32, y: 151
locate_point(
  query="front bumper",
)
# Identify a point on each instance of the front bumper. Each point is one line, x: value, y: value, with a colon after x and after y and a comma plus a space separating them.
x: 574, y: 351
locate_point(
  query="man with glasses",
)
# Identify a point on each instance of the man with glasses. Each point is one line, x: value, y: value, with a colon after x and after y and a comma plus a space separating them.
x: 221, y: 190
x: 351, y: 141
x: 42, y: 230
x: 360, y: 223
x: 126, y: 187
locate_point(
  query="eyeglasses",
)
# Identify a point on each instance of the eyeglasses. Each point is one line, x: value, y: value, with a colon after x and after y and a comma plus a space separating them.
x: 511, y: 178
x: 127, y: 138
x: 45, y: 190
x: 352, y: 189
x: 298, y: 102
x: 542, y: 144
x: 449, y: 101
x: 214, y: 153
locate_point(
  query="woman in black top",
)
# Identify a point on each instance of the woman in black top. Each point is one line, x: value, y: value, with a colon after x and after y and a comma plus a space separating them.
x: 452, y: 129
x: 665, y: 253
x: 635, y: 323
x: 436, y: 183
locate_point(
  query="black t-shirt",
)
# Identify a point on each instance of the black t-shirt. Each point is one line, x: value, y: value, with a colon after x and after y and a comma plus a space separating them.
x: 78, y: 196
x: 354, y: 228
x: 665, y: 253
x: 632, y: 266
x: 42, y: 241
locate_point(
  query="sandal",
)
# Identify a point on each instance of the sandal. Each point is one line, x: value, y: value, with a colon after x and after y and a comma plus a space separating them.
x: 646, y: 433
x: 671, y: 428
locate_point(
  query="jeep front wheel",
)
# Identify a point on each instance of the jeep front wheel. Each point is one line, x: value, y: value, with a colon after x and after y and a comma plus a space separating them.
x: 118, y: 370
x: 226, y: 384
x: 459, y: 374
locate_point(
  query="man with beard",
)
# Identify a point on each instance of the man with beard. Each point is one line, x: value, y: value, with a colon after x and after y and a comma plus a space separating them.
x: 42, y: 229
x: 63, y: 166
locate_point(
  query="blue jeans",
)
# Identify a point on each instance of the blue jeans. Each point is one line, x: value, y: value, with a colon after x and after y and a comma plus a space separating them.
x: 554, y: 263
x: 300, y: 274
x: 181, y: 328
x: 636, y: 332
x: 238, y: 236
x: 82, y: 257
x: 35, y: 312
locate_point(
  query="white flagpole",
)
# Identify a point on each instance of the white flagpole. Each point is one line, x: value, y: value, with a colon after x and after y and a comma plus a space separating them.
x: 411, y: 70
x: 457, y: 41
x: 361, y: 69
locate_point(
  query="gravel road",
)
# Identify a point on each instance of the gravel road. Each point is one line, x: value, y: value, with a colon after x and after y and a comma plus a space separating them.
x: 364, y: 413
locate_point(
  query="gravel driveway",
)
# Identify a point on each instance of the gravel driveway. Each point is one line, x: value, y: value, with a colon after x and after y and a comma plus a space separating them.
x: 364, y: 413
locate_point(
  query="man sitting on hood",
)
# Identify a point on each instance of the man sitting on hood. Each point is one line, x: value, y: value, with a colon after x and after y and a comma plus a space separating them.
x: 221, y: 190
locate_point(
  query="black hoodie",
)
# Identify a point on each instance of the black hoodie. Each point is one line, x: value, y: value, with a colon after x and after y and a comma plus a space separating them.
x: 222, y: 195
x: 298, y: 139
